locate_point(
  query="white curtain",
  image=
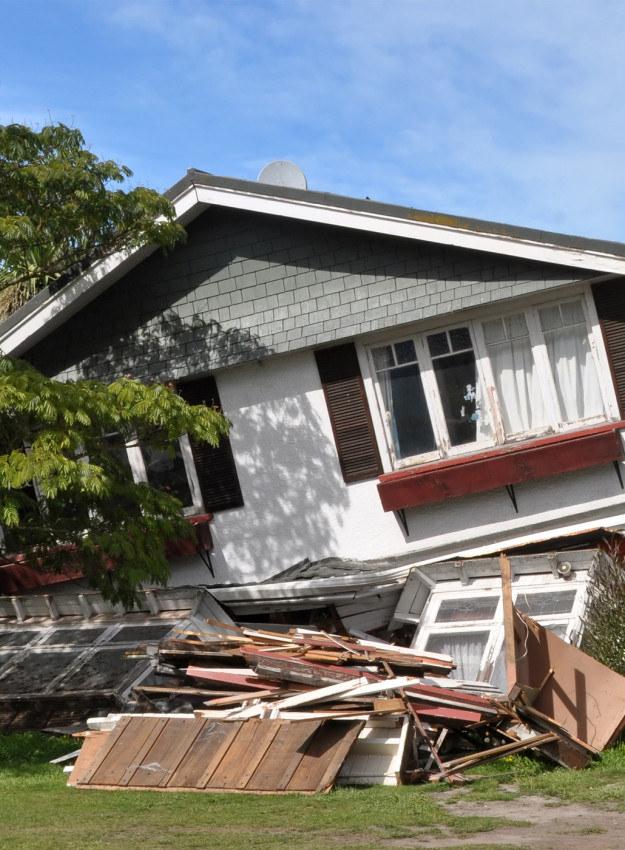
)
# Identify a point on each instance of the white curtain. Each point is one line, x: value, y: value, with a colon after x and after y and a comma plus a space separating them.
x: 385, y: 383
x: 574, y: 373
x: 467, y: 649
x: 518, y: 388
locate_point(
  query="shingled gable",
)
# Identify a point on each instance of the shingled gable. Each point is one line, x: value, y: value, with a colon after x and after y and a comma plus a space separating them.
x: 199, y: 190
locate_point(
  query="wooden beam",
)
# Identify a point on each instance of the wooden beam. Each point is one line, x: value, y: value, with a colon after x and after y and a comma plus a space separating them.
x: 508, y: 621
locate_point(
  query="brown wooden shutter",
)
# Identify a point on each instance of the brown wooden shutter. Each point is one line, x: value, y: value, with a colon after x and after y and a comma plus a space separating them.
x: 349, y: 412
x: 215, y: 467
x: 610, y: 302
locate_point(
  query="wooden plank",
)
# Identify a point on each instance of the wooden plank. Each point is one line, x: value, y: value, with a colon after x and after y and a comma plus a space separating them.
x: 281, y: 760
x: 187, y: 740
x: 109, y: 745
x: 466, y: 762
x: 508, y: 621
x: 298, y: 755
x: 92, y: 744
x: 583, y: 696
x: 500, y: 467
x: 204, y: 754
x: 257, y: 750
x: 324, y: 756
x: 233, y: 762
x: 147, y: 733
x: 204, y: 757
x: 157, y: 764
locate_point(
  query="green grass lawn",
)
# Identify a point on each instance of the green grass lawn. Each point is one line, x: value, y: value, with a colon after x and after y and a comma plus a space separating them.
x: 38, y: 810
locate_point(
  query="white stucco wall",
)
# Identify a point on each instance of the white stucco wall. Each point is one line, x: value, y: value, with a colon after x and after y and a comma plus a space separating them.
x: 297, y: 505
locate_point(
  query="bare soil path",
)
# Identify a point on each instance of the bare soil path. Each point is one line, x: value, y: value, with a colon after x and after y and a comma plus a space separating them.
x: 551, y: 825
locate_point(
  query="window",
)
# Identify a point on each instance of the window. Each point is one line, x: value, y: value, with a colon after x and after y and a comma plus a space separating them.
x: 467, y: 622
x: 484, y: 383
x: 174, y: 473
x: 202, y: 476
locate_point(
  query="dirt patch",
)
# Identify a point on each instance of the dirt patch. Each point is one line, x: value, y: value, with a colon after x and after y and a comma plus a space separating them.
x: 550, y: 825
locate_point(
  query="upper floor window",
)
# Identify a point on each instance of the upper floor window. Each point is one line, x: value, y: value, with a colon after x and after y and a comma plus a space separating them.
x: 483, y: 383
x: 174, y: 472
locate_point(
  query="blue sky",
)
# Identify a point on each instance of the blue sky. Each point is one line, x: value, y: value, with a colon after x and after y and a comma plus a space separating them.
x: 509, y: 110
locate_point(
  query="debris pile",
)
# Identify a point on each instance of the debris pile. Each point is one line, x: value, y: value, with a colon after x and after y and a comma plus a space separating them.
x: 253, y: 710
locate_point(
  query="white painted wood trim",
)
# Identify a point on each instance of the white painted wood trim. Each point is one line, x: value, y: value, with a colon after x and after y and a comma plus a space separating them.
x: 416, y: 229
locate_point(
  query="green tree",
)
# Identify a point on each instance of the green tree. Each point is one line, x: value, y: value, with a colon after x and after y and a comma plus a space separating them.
x: 67, y: 499
x: 59, y: 214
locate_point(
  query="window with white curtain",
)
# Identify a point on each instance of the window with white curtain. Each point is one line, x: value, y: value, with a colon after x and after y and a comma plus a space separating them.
x: 483, y: 383
x: 466, y: 622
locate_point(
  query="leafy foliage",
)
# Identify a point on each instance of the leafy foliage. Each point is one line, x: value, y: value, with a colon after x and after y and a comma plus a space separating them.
x: 604, y: 622
x: 67, y: 500
x: 58, y: 213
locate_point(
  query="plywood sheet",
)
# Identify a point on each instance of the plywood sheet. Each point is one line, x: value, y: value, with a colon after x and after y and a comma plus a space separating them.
x: 582, y: 695
x: 256, y: 755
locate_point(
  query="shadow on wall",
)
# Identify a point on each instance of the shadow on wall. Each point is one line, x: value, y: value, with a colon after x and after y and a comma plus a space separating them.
x: 295, y: 498
x: 172, y: 347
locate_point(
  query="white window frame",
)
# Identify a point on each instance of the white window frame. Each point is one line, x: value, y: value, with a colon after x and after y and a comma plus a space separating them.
x: 555, y: 423
x: 454, y: 590
x: 139, y: 472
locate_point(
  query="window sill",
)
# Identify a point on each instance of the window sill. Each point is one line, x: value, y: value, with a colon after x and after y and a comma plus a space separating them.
x: 512, y: 464
x: 202, y: 540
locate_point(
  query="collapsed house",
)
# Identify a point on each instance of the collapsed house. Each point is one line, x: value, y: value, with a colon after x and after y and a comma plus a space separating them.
x: 411, y: 394
x: 179, y: 695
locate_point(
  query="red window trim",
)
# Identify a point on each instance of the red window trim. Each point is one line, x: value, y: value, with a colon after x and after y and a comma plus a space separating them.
x: 202, y: 541
x: 477, y: 473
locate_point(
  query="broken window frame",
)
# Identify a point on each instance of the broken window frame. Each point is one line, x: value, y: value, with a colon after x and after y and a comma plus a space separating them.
x: 483, y: 401
x: 454, y: 590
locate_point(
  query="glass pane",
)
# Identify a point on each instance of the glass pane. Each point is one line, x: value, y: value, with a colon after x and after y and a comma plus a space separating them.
x: 74, y: 637
x: 456, y: 376
x: 545, y: 602
x: 559, y: 630
x: 438, y: 344
x: 469, y: 608
x: 405, y: 352
x: 460, y: 339
x: 466, y: 648
x: 572, y: 313
x: 550, y: 318
x: 406, y: 411
x: 518, y: 386
x: 494, y: 331
x: 167, y: 472
x: 383, y: 357
x: 516, y: 326
x: 18, y: 637
x: 498, y: 676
